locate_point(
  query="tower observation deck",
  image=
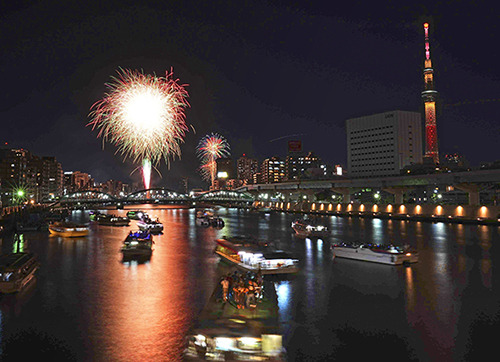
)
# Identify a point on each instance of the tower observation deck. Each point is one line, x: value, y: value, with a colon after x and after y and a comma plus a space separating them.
x: 429, y: 96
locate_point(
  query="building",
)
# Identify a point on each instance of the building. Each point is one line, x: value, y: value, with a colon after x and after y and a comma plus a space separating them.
x: 112, y: 187
x: 225, y: 171
x: 14, y: 173
x: 383, y: 144
x: 272, y: 170
x: 51, y: 178
x: 299, y: 166
x: 429, y: 96
x: 246, y: 168
x: 76, y: 181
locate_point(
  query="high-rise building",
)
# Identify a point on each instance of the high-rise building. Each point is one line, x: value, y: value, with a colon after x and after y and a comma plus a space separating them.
x: 429, y: 96
x: 76, y: 181
x: 246, y: 167
x: 14, y: 172
x: 299, y: 166
x: 52, y: 178
x: 224, y: 172
x: 383, y: 144
x: 272, y: 170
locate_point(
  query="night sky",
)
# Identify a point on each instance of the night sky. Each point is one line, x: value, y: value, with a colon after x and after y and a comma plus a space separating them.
x: 258, y: 72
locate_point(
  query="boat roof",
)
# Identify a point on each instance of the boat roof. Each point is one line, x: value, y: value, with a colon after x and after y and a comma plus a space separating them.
x: 266, y: 251
x: 14, y: 260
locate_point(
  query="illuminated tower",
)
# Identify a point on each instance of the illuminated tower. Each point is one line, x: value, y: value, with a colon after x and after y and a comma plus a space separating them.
x: 429, y: 95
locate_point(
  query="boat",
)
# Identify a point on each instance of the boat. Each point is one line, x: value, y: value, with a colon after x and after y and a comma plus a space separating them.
x: 94, y: 214
x: 384, y: 254
x: 208, y: 218
x: 68, y: 229
x: 248, y: 255
x: 147, y: 224
x: 22, y: 226
x: 138, y: 243
x: 16, y: 271
x: 309, y: 230
x: 225, y: 332
x: 135, y: 214
x: 112, y: 220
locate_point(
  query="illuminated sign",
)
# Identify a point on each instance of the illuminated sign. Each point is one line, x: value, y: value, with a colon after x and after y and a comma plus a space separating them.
x: 295, y: 146
x: 222, y: 174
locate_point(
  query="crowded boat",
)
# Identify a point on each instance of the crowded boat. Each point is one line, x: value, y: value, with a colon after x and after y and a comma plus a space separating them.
x: 138, y: 243
x: 239, y: 322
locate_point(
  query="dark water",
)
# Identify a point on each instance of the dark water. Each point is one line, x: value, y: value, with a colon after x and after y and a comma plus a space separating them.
x: 88, y: 305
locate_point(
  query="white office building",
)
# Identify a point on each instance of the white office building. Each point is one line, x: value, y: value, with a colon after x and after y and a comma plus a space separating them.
x: 382, y: 144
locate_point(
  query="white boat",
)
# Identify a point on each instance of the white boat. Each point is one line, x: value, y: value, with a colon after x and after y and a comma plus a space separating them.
x: 304, y: 229
x: 153, y: 226
x: 249, y: 256
x: 384, y: 254
x: 16, y: 271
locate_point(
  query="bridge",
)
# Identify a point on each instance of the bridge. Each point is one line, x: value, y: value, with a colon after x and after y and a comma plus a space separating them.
x: 471, y: 182
x: 156, y: 196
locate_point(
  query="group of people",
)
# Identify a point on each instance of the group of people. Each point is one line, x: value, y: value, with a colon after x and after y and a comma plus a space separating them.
x: 243, y: 289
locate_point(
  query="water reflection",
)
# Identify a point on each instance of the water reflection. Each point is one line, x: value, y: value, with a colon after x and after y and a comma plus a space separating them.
x: 142, y: 311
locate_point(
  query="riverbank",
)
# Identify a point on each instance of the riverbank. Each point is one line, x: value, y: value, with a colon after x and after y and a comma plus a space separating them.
x: 463, y: 214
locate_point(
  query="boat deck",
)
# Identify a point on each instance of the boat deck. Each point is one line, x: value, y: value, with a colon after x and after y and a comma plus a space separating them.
x: 13, y: 261
x: 264, y: 316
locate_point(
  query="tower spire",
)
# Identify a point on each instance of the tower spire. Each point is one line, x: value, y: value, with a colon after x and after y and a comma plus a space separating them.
x: 429, y: 96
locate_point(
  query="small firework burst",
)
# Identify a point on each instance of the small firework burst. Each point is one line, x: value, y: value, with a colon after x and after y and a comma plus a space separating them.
x: 210, y: 148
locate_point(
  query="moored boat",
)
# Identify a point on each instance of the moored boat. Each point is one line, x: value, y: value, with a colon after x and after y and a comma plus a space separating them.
x: 138, y: 243
x: 16, y: 271
x: 250, y: 256
x: 309, y: 230
x: 135, y: 214
x: 153, y: 226
x: 384, y: 254
x: 68, y: 229
x: 112, y: 220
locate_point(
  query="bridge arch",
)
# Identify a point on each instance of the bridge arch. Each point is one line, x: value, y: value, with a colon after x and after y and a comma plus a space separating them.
x: 157, y: 193
x: 86, y: 196
x: 225, y: 195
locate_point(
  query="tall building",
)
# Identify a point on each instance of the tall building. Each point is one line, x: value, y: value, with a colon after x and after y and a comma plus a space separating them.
x: 14, y: 172
x: 76, y: 181
x: 429, y: 96
x: 383, y: 144
x: 272, y: 170
x: 224, y: 172
x: 52, y: 178
x: 300, y: 166
x: 246, y: 167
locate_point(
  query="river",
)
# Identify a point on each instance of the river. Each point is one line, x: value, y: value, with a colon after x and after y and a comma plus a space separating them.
x: 88, y: 305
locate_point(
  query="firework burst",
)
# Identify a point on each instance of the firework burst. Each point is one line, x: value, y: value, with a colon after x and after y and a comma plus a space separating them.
x: 210, y: 148
x: 143, y: 116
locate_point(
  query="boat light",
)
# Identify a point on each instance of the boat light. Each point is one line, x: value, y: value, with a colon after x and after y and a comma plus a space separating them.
x: 249, y: 342
x: 224, y: 343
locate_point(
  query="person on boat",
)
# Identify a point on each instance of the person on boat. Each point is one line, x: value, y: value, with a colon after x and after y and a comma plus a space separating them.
x: 240, y: 292
x: 225, y: 289
x: 250, y: 295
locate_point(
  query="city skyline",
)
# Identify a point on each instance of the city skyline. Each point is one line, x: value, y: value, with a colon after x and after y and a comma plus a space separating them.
x: 256, y: 74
